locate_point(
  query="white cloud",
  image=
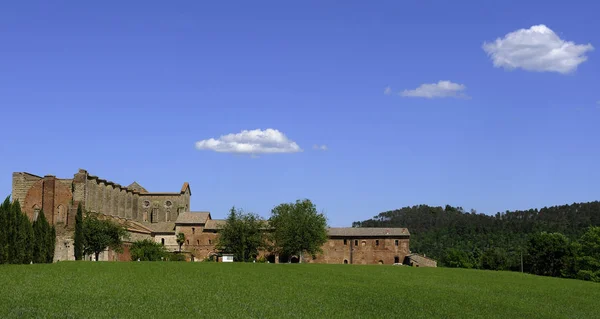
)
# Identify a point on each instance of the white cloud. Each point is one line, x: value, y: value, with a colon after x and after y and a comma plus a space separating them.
x: 536, y: 49
x: 251, y: 142
x: 320, y: 147
x: 437, y: 90
x: 387, y: 91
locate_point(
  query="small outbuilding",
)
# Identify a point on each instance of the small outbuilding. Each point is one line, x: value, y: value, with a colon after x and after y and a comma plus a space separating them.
x: 227, y: 258
x: 416, y: 260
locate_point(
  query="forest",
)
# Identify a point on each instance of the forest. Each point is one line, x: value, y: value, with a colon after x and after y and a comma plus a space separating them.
x: 558, y: 241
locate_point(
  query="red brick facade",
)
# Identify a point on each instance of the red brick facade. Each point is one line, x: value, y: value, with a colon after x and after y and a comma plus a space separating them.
x: 162, y: 215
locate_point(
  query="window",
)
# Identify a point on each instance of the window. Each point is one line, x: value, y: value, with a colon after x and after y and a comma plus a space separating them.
x: 193, y: 230
x: 345, y: 242
x: 168, y: 203
x: 396, y: 242
x: 364, y: 242
x: 188, y: 241
x: 36, y: 212
x: 197, y: 241
x: 154, y: 215
x: 345, y: 261
x: 377, y: 242
x: 210, y: 242
x: 162, y: 241
x: 356, y: 242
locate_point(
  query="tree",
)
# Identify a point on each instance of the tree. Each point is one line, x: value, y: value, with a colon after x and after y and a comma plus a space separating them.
x: 99, y: 234
x: 455, y: 258
x: 16, y: 234
x: 147, y: 250
x: 495, y: 259
x: 23, y: 236
x: 587, y: 261
x: 242, y: 235
x: 180, y: 240
x: 298, y: 228
x: 78, y: 240
x: 548, y: 254
x: 4, y: 215
x: 51, y: 244
x: 41, y: 228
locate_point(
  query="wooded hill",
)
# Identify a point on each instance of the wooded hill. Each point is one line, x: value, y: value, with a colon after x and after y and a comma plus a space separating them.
x: 443, y: 233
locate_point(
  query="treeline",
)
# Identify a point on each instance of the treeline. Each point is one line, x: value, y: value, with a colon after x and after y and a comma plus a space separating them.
x: 505, y: 241
x: 23, y: 242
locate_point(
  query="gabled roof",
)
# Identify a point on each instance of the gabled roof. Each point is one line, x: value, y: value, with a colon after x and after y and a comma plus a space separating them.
x: 163, y: 227
x: 215, y: 224
x: 193, y: 218
x: 367, y: 232
x: 185, y: 186
x: 137, y: 187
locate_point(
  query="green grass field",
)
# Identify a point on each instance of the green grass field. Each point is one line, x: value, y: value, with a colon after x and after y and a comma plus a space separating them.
x: 224, y: 290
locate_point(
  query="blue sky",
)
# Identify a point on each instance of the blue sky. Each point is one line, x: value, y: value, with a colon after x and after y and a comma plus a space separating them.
x: 127, y: 90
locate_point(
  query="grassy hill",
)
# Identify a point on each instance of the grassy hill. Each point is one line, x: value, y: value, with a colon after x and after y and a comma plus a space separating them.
x: 170, y: 289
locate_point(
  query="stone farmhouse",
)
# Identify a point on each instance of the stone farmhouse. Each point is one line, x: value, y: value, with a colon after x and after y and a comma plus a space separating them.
x: 159, y: 216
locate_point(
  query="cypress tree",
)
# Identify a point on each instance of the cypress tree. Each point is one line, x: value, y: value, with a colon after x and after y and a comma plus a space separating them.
x: 26, y: 231
x: 50, y: 244
x: 4, y: 207
x: 41, y: 228
x: 21, y: 236
x: 78, y: 244
x: 12, y: 221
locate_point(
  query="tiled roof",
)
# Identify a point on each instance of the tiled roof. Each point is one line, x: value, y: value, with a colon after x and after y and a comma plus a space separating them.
x: 130, y: 225
x: 162, y: 227
x: 417, y: 256
x: 367, y: 232
x: 137, y: 187
x: 214, y: 224
x: 185, y: 186
x: 193, y: 218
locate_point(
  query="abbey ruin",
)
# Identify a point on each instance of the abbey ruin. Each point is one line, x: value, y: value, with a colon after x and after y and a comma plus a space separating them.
x: 159, y: 216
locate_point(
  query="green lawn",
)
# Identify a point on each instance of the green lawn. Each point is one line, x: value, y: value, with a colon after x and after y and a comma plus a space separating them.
x: 218, y: 290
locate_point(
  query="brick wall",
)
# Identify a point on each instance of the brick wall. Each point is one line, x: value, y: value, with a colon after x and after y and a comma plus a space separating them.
x: 21, y: 183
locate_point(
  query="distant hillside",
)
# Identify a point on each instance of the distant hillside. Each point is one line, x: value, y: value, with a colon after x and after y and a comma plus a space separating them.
x: 435, y: 231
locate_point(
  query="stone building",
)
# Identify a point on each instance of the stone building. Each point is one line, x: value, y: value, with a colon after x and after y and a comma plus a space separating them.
x: 161, y: 215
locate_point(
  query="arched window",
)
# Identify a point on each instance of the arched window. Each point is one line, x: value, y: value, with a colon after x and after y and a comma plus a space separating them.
x: 345, y: 242
x: 345, y: 261
x: 396, y: 242
x: 36, y: 212
x: 197, y: 241
x: 364, y: 242
x: 154, y: 216
x: 356, y: 242
x: 376, y: 242
x: 210, y: 242
x: 193, y: 230
x: 162, y: 241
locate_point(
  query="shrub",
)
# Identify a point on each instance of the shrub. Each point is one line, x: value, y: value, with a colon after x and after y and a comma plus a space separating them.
x: 177, y: 257
x: 148, y: 250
